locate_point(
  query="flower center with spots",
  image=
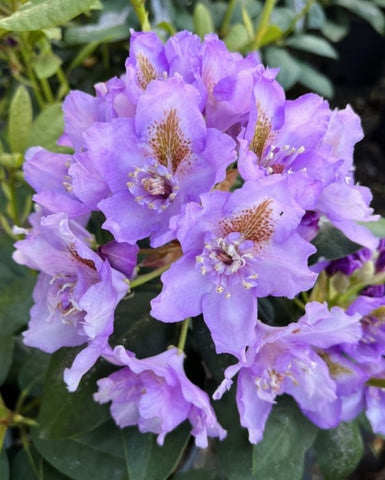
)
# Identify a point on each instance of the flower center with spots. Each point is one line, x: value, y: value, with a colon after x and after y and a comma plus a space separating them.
x: 228, y: 260
x: 279, y: 159
x: 153, y: 185
x: 60, y: 299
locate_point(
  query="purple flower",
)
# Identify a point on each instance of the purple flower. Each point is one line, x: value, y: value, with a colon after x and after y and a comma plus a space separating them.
x: 163, y: 159
x: 286, y: 360
x: 237, y: 247
x: 155, y: 394
x: 48, y: 174
x: 76, y: 293
x: 304, y: 140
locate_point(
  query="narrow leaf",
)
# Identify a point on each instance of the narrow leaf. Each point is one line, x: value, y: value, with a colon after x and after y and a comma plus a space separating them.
x: 312, y: 44
x: 20, y: 119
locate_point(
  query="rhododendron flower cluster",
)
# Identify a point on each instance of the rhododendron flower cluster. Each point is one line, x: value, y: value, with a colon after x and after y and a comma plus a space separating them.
x: 195, y: 158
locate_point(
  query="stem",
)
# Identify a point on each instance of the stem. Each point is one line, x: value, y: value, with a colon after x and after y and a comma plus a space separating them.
x: 47, y: 90
x: 64, y: 85
x: 183, y: 334
x: 142, y: 14
x: 148, y: 276
x: 263, y: 23
x: 227, y: 17
x: 299, y: 303
x: 31, y: 75
x: 13, y: 199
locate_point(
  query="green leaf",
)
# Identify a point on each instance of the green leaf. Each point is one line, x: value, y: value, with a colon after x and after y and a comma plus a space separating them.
x: 312, y: 44
x: 146, y: 460
x: 20, y: 119
x: 282, y: 17
x: 32, y: 371
x: 110, y: 27
x: 109, y: 452
x: 315, y: 80
x: 46, y: 64
x: 234, y: 453
x: 237, y: 37
x: 204, y: 344
x: 4, y: 465
x: 44, y: 14
x: 377, y: 228
x: 287, y: 436
x: 6, y: 354
x: 338, y: 451
x: 366, y: 10
x: 16, y: 284
x: 289, y: 67
x: 47, y: 128
x: 272, y: 34
x: 63, y: 414
x: 203, y: 22
x: 136, y: 330
x: 196, y: 475
x: 22, y: 468
x: 331, y: 244
x: 335, y: 31
x: 316, y: 17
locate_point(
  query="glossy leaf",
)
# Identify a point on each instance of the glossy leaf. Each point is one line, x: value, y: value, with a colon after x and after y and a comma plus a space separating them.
x: 63, y: 414
x: 331, y: 244
x: 338, y: 451
x: 44, y: 14
x: 234, y: 453
x: 47, y: 128
x: 20, y: 119
x: 136, y: 330
x: 146, y: 460
x: 288, y: 435
x: 109, y: 452
x: 6, y: 353
x: 312, y: 44
x: 23, y: 469
x: 4, y: 465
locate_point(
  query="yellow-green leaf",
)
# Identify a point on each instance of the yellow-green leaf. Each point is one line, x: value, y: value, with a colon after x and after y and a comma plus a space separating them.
x: 203, y: 22
x: 20, y: 120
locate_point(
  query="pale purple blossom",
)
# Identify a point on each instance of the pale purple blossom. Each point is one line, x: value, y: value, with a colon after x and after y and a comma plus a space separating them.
x: 155, y: 394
